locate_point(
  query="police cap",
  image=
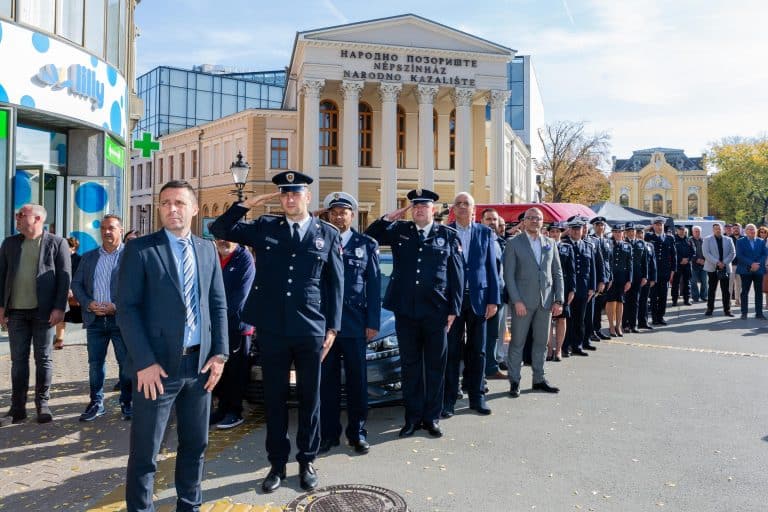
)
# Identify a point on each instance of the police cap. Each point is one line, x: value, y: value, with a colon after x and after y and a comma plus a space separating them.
x: 422, y: 195
x: 659, y: 220
x: 576, y: 222
x: 598, y: 219
x: 640, y: 228
x: 618, y: 227
x: 558, y: 225
x: 629, y: 226
x: 291, y: 181
x: 341, y: 199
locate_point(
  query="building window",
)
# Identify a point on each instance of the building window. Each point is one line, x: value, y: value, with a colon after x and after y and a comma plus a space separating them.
x: 658, y: 203
x: 182, y: 165
x: 215, y: 210
x: 38, y: 13
x: 206, y: 211
x: 278, y: 153
x: 139, y: 176
x: 400, y: 137
x: 624, y: 200
x: 329, y: 133
x: 160, y: 171
x: 434, y: 134
x: 148, y: 181
x: 365, y: 134
x: 194, y: 163
x: 693, y: 204
x: 452, y: 143
x: 669, y: 207
x: 171, y: 168
x: 94, y: 26
x: 69, y: 20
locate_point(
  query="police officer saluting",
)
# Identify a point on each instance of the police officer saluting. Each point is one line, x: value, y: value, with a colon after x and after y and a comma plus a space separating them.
x: 360, y: 319
x: 295, y: 305
x: 425, y: 294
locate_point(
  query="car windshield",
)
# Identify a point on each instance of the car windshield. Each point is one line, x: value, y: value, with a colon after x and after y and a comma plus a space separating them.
x: 385, y: 266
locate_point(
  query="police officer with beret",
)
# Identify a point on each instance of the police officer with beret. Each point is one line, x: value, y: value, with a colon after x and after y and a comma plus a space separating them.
x: 621, y: 271
x: 360, y: 319
x: 296, y: 306
x: 639, y: 278
x: 604, y: 246
x: 425, y: 294
x: 586, y: 283
x: 666, y: 266
x: 645, y: 290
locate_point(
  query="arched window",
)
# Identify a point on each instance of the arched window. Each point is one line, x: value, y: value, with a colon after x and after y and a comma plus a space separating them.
x: 624, y: 200
x: 400, y: 137
x: 452, y: 143
x: 365, y: 134
x: 434, y: 132
x: 206, y: 211
x: 329, y: 133
x: 658, y: 203
x: 693, y: 204
x: 226, y: 206
x: 215, y: 211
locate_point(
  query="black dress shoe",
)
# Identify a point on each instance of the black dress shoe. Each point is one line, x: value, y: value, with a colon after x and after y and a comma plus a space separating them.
x: 674, y: 303
x: 728, y: 313
x: 543, y: 386
x: 556, y: 359
x: 307, y: 476
x: 514, y: 389
x: 602, y: 336
x: 445, y: 414
x: 327, y: 444
x: 579, y: 352
x: 503, y: 366
x: 634, y: 330
x: 614, y: 335
x: 550, y: 358
x: 743, y: 316
x: 687, y: 302
x: 620, y: 334
x: 408, y: 430
x: 594, y: 337
x: 44, y: 414
x: 589, y: 347
x: 432, y: 428
x: 481, y: 408
x: 760, y: 317
x: 361, y: 446
x: 14, y: 417
x: 660, y: 322
x: 645, y: 326
x: 566, y: 353
x: 274, y: 478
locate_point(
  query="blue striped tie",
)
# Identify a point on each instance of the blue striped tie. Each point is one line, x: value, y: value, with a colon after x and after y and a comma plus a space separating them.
x: 188, y: 269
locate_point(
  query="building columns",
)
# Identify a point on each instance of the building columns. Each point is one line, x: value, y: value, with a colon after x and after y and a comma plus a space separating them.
x: 388, y: 93
x: 426, y: 95
x: 462, y: 99
x: 311, y: 88
x: 350, y: 91
x: 498, y: 100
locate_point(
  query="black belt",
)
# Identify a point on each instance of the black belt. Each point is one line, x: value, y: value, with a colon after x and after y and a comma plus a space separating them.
x: 191, y: 350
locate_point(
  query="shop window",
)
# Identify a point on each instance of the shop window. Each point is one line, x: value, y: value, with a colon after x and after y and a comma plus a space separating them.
x: 693, y: 205
x: 278, y: 153
x: 329, y: 133
x: 365, y: 134
x: 69, y: 20
x: 94, y: 26
x: 38, y: 13
x: 400, y: 137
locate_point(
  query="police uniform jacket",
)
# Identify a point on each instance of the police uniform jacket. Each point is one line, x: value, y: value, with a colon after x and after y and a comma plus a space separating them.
x: 604, y: 247
x: 567, y: 263
x: 362, y: 286
x: 584, y: 264
x: 427, y: 277
x: 238, y: 277
x: 621, y: 263
x: 650, y: 251
x: 639, y: 260
x: 666, y: 255
x: 684, y: 248
x: 297, y: 290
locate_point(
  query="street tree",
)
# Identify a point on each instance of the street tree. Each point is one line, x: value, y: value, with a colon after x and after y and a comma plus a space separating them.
x: 738, y: 191
x: 571, y: 163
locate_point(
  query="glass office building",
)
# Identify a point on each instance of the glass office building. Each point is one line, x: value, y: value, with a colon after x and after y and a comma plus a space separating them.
x: 177, y: 99
x: 64, y: 111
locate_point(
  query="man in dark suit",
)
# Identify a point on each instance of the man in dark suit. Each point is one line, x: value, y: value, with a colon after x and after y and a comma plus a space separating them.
x: 751, y: 253
x: 95, y: 287
x: 496, y: 326
x: 296, y: 306
x: 666, y: 266
x: 172, y: 313
x: 425, y: 294
x: 35, y: 273
x: 360, y: 321
x: 604, y: 247
x: 480, y: 303
x: 686, y: 253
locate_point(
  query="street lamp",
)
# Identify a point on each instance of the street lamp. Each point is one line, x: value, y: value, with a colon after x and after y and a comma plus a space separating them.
x: 239, y: 170
x: 142, y: 218
x: 540, y: 183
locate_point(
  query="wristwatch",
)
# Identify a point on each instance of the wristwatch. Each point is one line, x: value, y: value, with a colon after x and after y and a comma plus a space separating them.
x: 222, y: 356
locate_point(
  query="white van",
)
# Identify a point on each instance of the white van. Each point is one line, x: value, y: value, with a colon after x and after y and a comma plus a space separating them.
x: 706, y: 225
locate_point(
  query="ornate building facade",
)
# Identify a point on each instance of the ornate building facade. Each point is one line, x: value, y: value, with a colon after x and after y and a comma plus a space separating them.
x: 661, y: 180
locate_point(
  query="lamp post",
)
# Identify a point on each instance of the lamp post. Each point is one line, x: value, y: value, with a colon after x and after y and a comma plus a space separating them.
x: 142, y: 218
x: 239, y: 170
x: 540, y: 183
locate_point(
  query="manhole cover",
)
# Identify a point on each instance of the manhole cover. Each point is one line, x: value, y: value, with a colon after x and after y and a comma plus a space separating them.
x: 349, y: 498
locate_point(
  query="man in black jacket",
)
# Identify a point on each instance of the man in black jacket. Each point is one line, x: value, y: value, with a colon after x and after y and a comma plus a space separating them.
x: 686, y: 253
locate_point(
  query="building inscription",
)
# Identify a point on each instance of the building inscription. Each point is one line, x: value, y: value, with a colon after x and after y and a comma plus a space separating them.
x: 416, y: 68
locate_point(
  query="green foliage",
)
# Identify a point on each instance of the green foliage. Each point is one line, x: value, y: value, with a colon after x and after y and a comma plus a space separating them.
x: 739, y: 190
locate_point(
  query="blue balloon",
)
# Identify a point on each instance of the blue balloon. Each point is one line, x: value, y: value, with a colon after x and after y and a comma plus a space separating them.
x: 40, y: 42
x: 91, y: 197
x: 87, y: 242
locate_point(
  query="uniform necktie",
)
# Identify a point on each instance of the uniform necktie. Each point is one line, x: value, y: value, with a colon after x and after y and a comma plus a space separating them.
x: 188, y: 272
x: 421, y: 235
x: 296, y: 238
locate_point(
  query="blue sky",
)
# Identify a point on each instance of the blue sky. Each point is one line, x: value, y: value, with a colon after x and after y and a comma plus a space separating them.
x: 678, y: 74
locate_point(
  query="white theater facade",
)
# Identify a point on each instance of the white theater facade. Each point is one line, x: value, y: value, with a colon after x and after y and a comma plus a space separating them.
x: 375, y: 109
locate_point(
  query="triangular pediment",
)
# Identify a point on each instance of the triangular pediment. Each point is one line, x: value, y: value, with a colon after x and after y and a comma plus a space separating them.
x: 408, y: 31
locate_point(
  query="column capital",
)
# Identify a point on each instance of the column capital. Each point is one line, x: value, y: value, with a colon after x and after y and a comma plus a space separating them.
x: 389, y: 91
x: 462, y: 96
x: 427, y: 93
x: 350, y: 89
x: 499, y: 98
x: 310, y: 87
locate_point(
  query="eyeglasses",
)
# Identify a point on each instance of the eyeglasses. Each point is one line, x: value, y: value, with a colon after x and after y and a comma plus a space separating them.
x: 533, y: 218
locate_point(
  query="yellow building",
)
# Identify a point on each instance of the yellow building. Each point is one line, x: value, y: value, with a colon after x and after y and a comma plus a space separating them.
x: 661, y: 180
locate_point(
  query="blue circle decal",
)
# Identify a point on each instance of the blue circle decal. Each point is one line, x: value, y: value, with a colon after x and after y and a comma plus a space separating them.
x: 27, y: 101
x: 3, y: 94
x: 96, y: 224
x: 91, y: 197
x: 94, y: 61
x: 87, y: 242
x: 22, y: 189
x: 111, y: 75
x: 1, y: 32
x: 116, y: 117
x: 40, y: 42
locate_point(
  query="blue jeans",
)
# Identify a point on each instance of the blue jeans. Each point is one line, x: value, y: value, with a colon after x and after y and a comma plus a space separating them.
x: 699, y: 288
x: 98, y: 335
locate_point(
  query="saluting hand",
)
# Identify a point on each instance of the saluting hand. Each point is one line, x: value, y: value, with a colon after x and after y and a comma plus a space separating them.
x: 397, y: 214
x: 149, y: 380
x: 256, y: 201
x: 216, y: 365
x: 330, y: 336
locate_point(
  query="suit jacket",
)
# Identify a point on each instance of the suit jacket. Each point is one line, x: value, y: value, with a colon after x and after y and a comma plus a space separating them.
x: 712, y: 255
x: 150, y: 307
x: 362, y: 286
x: 82, y: 283
x: 54, y: 272
x: 480, y: 269
x: 534, y: 284
x: 746, y: 255
x: 298, y: 289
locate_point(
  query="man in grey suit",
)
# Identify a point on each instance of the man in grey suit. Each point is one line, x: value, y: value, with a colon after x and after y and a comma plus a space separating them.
x: 35, y: 273
x: 172, y: 313
x: 534, y: 281
x: 719, y: 252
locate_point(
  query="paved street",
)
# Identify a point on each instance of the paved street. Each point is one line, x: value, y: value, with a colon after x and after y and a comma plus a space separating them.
x: 670, y: 420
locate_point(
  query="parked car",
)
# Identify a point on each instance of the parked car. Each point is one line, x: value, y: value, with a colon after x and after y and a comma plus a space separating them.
x: 382, y: 356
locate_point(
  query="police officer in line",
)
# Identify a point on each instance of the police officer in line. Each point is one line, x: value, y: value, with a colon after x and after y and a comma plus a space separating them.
x: 639, y: 278
x: 666, y: 266
x: 360, y: 319
x: 603, y: 277
x: 425, y: 293
x: 568, y: 266
x: 295, y: 305
x: 621, y: 270
x: 604, y: 246
x: 586, y: 283
x: 645, y: 290
x: 686, y: 253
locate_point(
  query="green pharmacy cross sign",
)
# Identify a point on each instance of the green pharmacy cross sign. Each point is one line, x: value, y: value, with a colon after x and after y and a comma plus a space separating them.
x: 146, y: 145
